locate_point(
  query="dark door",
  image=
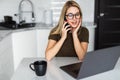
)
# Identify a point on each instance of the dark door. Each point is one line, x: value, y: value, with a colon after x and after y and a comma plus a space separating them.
x: 107, y: 18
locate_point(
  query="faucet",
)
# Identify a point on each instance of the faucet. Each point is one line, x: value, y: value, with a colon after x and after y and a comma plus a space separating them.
x: 21, y: 20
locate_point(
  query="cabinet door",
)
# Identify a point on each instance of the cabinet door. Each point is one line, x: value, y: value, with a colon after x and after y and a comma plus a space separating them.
x: 42, y: 40
x: 6, y: 59
x: 24, y: 45
x: 91, y: 38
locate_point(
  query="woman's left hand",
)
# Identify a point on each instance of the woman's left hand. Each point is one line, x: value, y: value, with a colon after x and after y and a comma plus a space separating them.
x: 76, y: 29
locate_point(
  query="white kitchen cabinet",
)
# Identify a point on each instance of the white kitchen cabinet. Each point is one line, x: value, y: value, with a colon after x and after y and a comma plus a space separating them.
x: 91, y: 28
x: 6, y: 58
x: 24, y: 45
x: 42, y: 40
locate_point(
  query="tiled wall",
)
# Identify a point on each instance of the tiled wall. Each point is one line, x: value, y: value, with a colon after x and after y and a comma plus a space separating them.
x: 10, y: 7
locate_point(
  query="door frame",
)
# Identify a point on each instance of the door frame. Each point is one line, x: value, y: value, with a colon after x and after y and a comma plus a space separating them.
x: 96, y: 17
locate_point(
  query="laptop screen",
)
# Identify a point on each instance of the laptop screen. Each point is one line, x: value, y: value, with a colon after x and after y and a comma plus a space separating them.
x: 72, y: 69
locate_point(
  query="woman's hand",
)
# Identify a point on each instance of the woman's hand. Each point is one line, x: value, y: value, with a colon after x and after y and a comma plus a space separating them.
x: 65, y: 29
x: 74, y: 31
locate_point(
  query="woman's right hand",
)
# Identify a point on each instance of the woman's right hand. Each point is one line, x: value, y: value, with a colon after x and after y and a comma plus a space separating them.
x: 65, y: 29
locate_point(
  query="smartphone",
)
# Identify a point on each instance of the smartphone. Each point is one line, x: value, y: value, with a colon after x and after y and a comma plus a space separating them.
x: 67, y: 26
x: 65, y: 21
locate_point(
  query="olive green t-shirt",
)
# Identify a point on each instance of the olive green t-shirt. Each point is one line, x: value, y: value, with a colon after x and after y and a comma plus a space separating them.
x: 67, y: 48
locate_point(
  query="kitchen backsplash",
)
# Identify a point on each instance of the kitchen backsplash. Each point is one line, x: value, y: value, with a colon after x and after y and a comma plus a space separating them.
x: 10, y: 7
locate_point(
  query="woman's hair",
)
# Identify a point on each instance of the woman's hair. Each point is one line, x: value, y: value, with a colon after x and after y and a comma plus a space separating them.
x: 67, y: 5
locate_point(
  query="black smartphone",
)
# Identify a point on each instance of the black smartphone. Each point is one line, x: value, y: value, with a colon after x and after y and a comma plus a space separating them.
x: 65, y: 20
x: 66, y: 24
x: 68, y: 27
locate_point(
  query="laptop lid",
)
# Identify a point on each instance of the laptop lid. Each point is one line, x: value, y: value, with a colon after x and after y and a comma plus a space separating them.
x: 95, y: 62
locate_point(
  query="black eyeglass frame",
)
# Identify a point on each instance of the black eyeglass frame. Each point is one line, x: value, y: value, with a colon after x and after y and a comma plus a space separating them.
x: 77, y: 16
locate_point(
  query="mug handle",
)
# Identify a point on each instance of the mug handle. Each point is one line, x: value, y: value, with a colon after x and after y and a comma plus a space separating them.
x: 31, y: 66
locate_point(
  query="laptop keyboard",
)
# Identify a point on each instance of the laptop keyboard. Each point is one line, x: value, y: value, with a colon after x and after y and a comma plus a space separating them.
x: 76, y: 71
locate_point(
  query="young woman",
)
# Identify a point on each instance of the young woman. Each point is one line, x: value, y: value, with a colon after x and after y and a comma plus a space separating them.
x: 68, y: 38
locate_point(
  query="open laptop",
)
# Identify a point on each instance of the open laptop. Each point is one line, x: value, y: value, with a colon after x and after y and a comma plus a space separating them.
x: 94, y: 62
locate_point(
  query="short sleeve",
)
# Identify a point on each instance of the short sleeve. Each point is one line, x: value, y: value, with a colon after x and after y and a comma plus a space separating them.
x: 84, y: 35
x: 54, y: 37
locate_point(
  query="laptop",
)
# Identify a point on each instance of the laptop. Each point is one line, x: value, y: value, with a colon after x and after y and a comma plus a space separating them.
x: 94, y: 62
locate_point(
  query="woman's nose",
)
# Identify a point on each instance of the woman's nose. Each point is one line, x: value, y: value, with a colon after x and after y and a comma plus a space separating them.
x: 74, y: 17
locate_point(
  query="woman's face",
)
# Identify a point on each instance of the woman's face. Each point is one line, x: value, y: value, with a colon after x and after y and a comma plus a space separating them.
x: 73, y: 16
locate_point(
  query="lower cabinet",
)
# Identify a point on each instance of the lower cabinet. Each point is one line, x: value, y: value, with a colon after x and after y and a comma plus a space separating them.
x: 42, y: 40
x: 91, y: 38
x: 24, y: 45
x: 91, y: 28
x: 19, y: 45
x: 30, y: 43
x: 6, y: 59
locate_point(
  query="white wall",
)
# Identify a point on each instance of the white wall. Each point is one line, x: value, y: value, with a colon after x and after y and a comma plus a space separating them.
x: 87, y: 7
x: 10, y: 7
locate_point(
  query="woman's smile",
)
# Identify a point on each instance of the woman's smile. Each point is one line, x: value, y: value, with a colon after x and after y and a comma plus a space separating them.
x: 74, y: 24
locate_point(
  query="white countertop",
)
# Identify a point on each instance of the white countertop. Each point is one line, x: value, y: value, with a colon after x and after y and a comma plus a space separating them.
x: 5, y: 33
x: 23, y: 72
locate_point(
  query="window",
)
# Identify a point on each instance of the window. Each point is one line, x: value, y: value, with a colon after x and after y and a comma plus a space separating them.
x: 56, y: 8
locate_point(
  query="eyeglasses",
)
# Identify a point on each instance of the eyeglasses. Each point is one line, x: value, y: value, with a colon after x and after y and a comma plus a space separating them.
x: 71, y: 16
